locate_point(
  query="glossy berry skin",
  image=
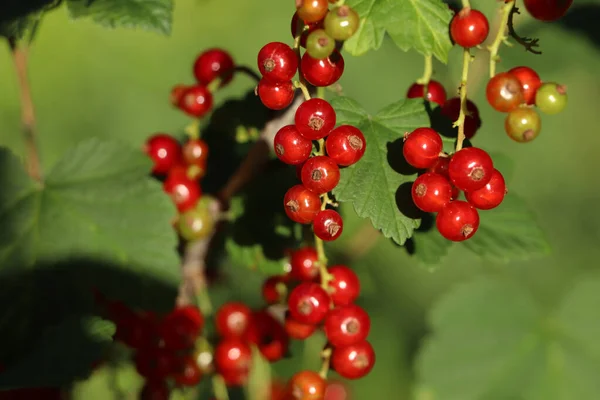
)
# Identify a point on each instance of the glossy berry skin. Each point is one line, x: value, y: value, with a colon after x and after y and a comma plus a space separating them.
x: 165, y: 152
x: 346, y: 145
x: 344, y: 287
x: 304, y: 264
x: 504, y: 92
x: 353, y: 361
x: 277, y: 62
x: 153, y: 390
x: 341, y: 22
x: 431, y: 192
x: 214, y: 63
x: 523, y: 124
x: 320, y: 174
x: 319, y: 44
x: 308, y: 303
x: 457, y: 221
x: 233, y: 319
x: 184, y: 191
x: 323, y: 72
x: 422, y: 147
x: 451, y: 109
x: 176, y: 94
x: 269, y: 335
x: 275, y: 95
x: 530, y: 82
x: 347, y: 325
x: 195, y: 224
x: 441, y: 167
x: 435, y: 92
x: 301, y: 205
x: 312, y: 10
x: 297, y: 330
x: 315, y: 118
x: 233, y: 358
x: 328, y: 225
x: 189, y: 373
x: 181, y: 327
x: 307, y: 385
x: 290, y: 146
x: 469, y: 28
x: 196, y: 101
x: 491, y: 195
x: 551, y: 98
x: 470, y: 169
x: 547, y: 10
x: 195, y: 152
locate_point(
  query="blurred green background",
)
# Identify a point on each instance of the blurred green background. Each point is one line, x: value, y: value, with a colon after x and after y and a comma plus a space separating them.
x: 89, y: 81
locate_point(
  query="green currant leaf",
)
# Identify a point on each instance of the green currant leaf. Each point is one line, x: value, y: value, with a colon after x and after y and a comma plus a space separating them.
x: 412, y: 24
x: 428, y: 246
x: 491, y: 340
x: 259, y: 380
x: 373, y: 185
x: 150, y: 15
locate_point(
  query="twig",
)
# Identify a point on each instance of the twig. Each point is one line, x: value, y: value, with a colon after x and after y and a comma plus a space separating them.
x: 427, y: 72
x: 506, y: 10
x: 528, y: 43
x: 326, y: 355
x: 460, y: 122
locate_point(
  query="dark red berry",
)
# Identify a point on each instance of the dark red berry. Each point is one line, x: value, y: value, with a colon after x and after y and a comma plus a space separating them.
x: 470, y: 169
x: 457, y: 221
x: 328, y: 225
x: 304, y: 264
x: 315, y: 118
x: 184, y: 191
x: 491, y: 195
x: 441, y: 167
x: 344, y: 287
x: 346, y: 145
x: 323, y: 72
x: 195, y: 152
x: 277, y: 62
x: 547, y: 10
x: 504, y: 92
x: 212, y: 64
x: 275, y: 95
x: 196, y: 101
x: 155, y: 363
x: 451, y: 109
x: 469, y: 28
x: 307, y: 385
x: 189, y: 373
x: 353, y: 361
x: 312, y: 10
x: 233, y: 358
x: 137, y: 331
x: 233, y: 319
x: 347, y: 325
x: 297, y: 330
x: 422, y: 147
x: 308, y: 303
x: 153, y: 390
x: 301, y: 205
x: 165, y: 152
x: 530, y: 82
x: 320, y: 174
x: 181, y: 327
x: 431, y: 192
x: 269, y: 335
x: 274, y: 289
x: 290, y: 146
x: 297, y: 26
x: 435, y: 92
x: 176, y: 94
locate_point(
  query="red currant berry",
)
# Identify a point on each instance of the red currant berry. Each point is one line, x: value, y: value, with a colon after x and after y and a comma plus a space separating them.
x: 319, y: 44
x: 547, y: 10
x: 137, y: 331
x: 435, y: 92
x: 275, y: 95
x: 504, y: 92
x: 304, y: 264
x: 523, y: 124
x: 269, y: 335
x: 277, y: 62
x: 153, y: 390
x: 290, y: 146
x: 301, y: 205
x: 181, y: 327
x: 457, y: 221
x: 184, y: 191
x: 189, y: 374
x: 195, y: 152
x: 308, y: 303
x: 346, y: 145
x: 323, y: 72
x: 307, y: 385
x: 337, y: 391
x: 297, y: 330
x: 431, y: 192
x: 233, y: 358
x: 328, y: 225
x: 347, y: 325
x: 470, y: 169
x: 422, y: 147
x: 312, y: 10
x: 155, y: 363
x: 197, y: 101
x: 469, y: 28
x: 320, y: 174
x: 551, y: 98
x: 530, y: 82
x: 233, y: 319
x: 176, y: 94
x: 274, y: 289
x: 451, y: 109
x: 165, y: 152
x: 441, y: 167
x: 344, y: 287
x: 491, y: 195
x: 315, y: 118
x: 212, y: 64
x: 353, y: 361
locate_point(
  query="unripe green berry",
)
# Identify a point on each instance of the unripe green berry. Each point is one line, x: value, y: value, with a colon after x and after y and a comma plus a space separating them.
x: 198, y: 222
x: 341, y: 22
x: 319, y: 44
x: 523, y: 124
x: 551, y: 98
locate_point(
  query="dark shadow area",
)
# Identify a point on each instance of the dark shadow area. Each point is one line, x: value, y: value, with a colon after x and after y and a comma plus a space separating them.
x: 405, y: 202
x: 427, y: 223
x: 439, y: 122
x: 14, y: 9
x: 583, y: 19
x: 396, y: 160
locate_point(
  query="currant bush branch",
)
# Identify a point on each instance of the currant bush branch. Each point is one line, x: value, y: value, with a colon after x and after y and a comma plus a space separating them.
x: 460, y: 122
x: 326, y: 356
x: 427, y: 72
x: 501, y: 37
x: 528, y: 43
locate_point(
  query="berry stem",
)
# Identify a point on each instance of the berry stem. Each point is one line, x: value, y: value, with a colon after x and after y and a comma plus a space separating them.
x: 300, y: 85
x: 528, y: 43
x: 219, y: 388
x: 466, y: 3
x: 326, y: 355
x: 460, y: 122
x: 320, y: 92
x: 216, y: 84
x: 192, y: 130
x: 501, y: 37
x: 427, y: 72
